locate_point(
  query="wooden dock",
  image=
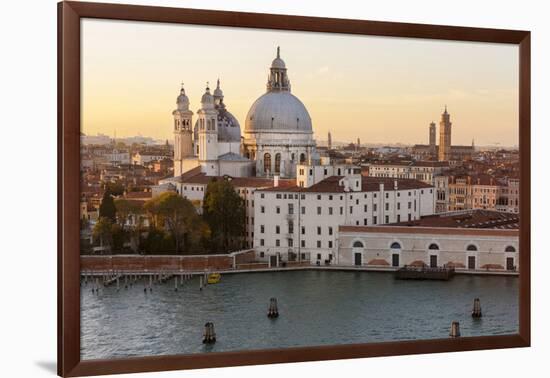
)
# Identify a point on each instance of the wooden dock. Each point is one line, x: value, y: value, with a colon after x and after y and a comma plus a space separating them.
x: 424, y: 273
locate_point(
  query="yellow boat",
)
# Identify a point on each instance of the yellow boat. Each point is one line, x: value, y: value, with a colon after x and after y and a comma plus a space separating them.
x: 214, y: 278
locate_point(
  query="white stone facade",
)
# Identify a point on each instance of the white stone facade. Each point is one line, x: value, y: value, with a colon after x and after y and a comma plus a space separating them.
x: 462, y: 248
x: 302, y: 224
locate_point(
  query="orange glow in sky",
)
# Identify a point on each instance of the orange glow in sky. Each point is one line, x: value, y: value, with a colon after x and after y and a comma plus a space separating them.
x: 382, y: 90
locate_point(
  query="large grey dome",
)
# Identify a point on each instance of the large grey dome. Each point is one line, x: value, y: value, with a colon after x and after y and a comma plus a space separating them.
x: 279, y: 110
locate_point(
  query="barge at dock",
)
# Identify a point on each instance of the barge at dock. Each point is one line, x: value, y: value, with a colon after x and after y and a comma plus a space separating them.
x: 424, y: 273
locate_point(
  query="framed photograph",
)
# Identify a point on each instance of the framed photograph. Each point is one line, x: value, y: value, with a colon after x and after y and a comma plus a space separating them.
x: 240, y: 188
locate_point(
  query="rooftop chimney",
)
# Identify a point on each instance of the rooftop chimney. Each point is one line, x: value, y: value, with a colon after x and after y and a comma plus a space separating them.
x: 275, y: 181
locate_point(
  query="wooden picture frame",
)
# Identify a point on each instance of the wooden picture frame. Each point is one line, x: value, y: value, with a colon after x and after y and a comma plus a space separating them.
x: 69, y: 37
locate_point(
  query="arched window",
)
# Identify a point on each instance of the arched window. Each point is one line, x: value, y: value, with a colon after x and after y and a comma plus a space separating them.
x: 433, y: 246
x: 267, y: 162
x: 471, y: 247
x: 277, y: 163
x: 510, y: 249
x: 302, y: 158
x: 395, y: 245
x: 357, y: 244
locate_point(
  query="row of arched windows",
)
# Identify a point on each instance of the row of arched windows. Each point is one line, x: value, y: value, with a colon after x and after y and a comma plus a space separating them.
x: 433, y: 246
x: 277, y: 168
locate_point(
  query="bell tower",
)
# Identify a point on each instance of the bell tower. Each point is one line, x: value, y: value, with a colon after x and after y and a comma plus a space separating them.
x: 208, y: 134
x: 445, y: 136
x: 183, y: 141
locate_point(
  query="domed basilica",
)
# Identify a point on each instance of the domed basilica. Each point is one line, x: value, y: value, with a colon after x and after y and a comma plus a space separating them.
x: 278, y: 133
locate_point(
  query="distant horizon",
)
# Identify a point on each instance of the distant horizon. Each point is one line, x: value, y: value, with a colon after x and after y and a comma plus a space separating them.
x: 323, y: 142
x: 351, y: 85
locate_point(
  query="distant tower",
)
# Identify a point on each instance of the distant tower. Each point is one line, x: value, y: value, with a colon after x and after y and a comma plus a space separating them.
x: 432, y: 135
x: 445, y: 136
x: 358, y: 143
x: 329, y: 141
x: 208, y: 134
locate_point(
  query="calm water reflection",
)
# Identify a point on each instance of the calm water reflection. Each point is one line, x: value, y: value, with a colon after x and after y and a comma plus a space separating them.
x: 316, y: 308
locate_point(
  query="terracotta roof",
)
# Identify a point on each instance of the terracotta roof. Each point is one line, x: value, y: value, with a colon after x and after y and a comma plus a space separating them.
x: 368, y: 184
x: 477, y: 218
x: 430, y: 230
x: 138, y: 195
x: 195, y: 176
x: 470, y: 222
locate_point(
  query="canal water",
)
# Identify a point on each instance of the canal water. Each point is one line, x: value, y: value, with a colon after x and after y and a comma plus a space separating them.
x: 316, y: 308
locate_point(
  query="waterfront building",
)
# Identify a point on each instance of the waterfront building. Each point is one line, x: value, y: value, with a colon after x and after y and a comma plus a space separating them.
x: 300, y: 223
x: 465, y: 240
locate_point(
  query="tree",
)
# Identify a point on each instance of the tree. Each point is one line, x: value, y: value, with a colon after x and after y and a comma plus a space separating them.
x: 223, y: 211
x: 126, y: 210
x: 177, y: 215
x: 107, y: 207
x: 103, y: 230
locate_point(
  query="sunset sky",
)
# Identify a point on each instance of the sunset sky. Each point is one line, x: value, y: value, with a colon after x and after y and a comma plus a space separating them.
x: 382, y: 90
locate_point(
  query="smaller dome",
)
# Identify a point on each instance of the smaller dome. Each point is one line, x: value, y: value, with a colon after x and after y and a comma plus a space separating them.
x: 182, y: 98
x: 218, y: 91
x: 207, y: 99
x: 278, y: 62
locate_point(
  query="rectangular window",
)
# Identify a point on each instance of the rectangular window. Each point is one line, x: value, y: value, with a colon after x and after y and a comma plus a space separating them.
x: 262, y: 195
x: 330, y: 230
x: 277, y: 229
x: 277, y: 243
x: 318, y: 210
x: 303, y: 209
x: 318, y: 244
x: 262, y: 242
x: 409, y: 205
x: 399, y: 217
x: 290, y: 242
x: 330, y: 244
x: 330, y: 197
x: 278, y: 196
x: 330, y: 211
x: 303, y: 230
x: 318, y: 256
x: 387, y: 206
x: 351, y: 209
x: 262, y: 209
x: 398, y: 205
x: 365, y: 222
x: 387, y: 195
x: 341, y: 210
x: 278, y: 210
x: 374, y: 207
x: 374, y: 220
x: 262, y: 229
x: 387, y: 219
x: 366, y: 208
x: 409, y: 217
x: 318, y: 230
x: 291, y: 208
x: 303, y: 242
x: 290, y: 227
x: 318, y: 196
